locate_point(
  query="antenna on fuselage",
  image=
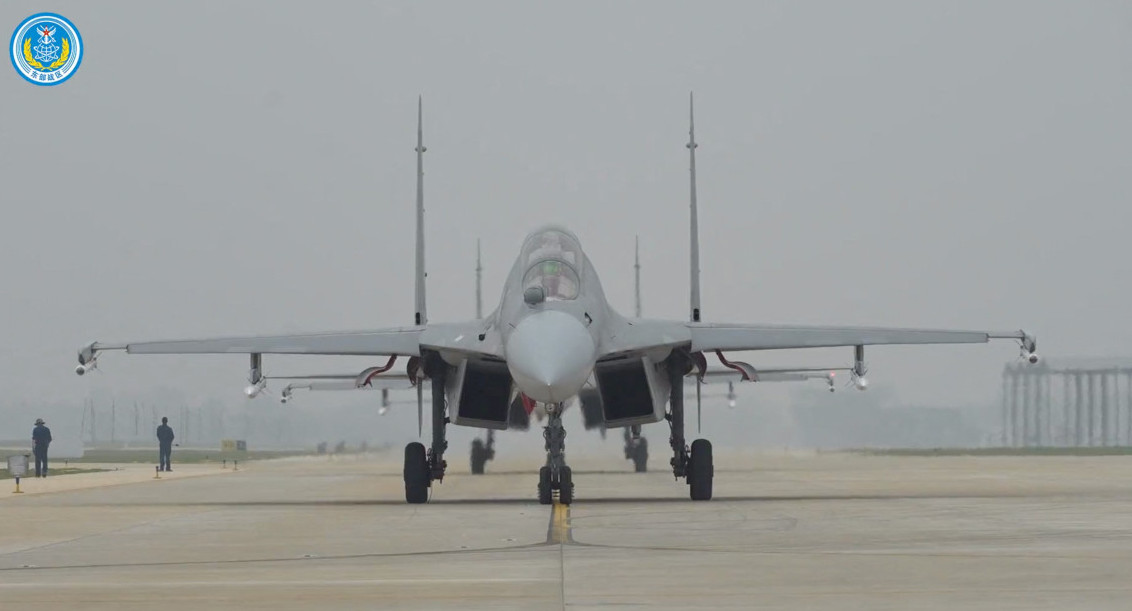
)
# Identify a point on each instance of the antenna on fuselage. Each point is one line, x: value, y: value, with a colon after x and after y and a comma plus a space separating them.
x: 695, y: 228
x: 479, y: 283
x: 637, y: 275
x: 421, y: 316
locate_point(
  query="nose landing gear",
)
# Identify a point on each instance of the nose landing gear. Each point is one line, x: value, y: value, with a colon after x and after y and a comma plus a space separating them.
x: 555, y: 475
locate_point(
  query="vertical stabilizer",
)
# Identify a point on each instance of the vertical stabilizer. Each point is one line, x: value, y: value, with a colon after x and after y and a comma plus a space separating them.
x: 695, y: 228
x: 637, y: 276
x: 479, y: 283
x: 421, y: 316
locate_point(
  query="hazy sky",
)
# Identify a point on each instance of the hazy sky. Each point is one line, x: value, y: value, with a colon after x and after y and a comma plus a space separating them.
x: 246, y: 167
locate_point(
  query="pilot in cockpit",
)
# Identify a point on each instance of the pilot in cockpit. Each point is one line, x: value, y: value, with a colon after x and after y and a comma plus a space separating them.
x: 556, y: 278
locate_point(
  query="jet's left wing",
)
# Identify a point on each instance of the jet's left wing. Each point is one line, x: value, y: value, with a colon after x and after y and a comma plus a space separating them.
x: 773, y: 375
x: 721, y: 336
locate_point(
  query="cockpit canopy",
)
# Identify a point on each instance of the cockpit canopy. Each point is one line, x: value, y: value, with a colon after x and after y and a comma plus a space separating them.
x: 552, y: 244
x: 558, y: 279
x: 553, y: 258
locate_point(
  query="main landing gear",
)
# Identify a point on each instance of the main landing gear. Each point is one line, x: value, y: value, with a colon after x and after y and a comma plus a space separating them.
x: 636, y: 448
x: 421, y: 468
x: 555, y: 475
x: 695, y: 463
x: 482, y: 452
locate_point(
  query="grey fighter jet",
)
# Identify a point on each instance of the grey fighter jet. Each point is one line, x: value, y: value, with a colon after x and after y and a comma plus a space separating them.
x: 552, y: 330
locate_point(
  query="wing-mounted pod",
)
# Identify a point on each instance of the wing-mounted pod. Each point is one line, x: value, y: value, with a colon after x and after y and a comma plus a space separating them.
x: 1027, y: 344
x: 88, y: 356
x: 257, y: 382
x: 857, y: 375
x: 88, y: 359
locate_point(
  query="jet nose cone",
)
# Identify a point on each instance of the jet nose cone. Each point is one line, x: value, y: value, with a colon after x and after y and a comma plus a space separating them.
x: 550, y: 355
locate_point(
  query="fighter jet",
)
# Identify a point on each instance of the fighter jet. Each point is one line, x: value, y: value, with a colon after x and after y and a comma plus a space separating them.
x: 483, y: 450
x: 553, y: 330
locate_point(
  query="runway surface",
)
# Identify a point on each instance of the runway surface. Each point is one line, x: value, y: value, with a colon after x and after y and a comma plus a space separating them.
x: 790, y: 532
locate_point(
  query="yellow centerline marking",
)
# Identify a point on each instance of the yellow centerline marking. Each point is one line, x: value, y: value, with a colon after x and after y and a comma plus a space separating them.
x: 560, y: 524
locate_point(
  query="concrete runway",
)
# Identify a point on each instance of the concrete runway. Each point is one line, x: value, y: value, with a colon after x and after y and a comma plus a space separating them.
x: 789, y: 532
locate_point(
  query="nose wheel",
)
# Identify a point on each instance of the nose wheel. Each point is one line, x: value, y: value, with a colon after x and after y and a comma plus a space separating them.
x: 548, y: 485
x: 555, y: 476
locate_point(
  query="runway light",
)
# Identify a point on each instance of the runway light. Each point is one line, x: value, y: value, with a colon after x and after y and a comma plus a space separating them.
x: 731, y: 403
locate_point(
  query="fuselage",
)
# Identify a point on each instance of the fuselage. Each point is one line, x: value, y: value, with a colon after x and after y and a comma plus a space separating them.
x: 551, y: 316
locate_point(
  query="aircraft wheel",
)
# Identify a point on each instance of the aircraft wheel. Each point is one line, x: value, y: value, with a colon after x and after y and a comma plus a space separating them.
x: 641, y: 456
x: 479, y: 458
x: 701, y: 470
x: 544, y: 490
x: 417, y: 478
x: 565, y: 486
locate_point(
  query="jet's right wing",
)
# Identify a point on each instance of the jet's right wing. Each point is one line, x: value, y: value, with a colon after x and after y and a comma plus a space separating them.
x: 400, y: 341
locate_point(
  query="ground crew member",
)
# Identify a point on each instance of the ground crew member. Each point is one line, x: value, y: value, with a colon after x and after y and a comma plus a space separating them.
x: 40, y: 439
x: 165, y: 441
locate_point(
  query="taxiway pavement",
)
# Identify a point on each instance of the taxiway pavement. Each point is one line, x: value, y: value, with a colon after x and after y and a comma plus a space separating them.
x: 798, y: 531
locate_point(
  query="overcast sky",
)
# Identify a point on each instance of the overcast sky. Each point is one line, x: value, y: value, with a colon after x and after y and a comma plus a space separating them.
x: 247, y: 167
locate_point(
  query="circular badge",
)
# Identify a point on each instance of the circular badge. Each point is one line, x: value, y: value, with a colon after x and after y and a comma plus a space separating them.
x: 46, y: 49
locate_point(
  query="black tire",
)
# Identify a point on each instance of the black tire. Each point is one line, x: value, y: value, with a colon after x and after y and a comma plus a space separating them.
x: 701, y: 471
x: 417, y: 479
x: 479, y: 459
x: 565, y: 486
x: 641, y: 456
x: 544, y: 491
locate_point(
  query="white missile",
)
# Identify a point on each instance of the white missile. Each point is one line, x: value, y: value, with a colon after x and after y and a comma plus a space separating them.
x: 253, y: 390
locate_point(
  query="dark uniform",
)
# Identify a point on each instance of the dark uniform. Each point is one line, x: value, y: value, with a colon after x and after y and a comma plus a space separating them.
x: 40, y: 439
x: 165, y: 441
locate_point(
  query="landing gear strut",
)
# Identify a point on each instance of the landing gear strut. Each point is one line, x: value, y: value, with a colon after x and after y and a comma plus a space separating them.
x: 694, y: 464
x: 421, y: 468
x: 482, y: 452
x: 636, y: 448
x: 555, y: 475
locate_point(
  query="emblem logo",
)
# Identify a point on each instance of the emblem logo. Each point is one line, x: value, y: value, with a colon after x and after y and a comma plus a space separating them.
x: 46, y: 49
